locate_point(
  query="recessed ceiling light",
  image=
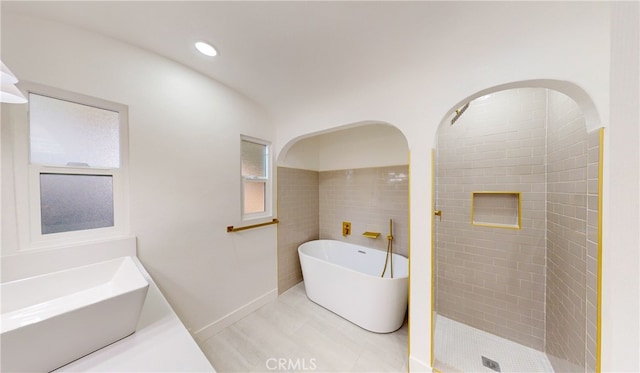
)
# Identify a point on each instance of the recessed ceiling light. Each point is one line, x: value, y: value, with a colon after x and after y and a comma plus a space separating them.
x: 206, y: 49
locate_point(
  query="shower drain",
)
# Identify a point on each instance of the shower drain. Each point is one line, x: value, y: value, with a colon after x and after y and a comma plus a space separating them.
x: 493, y: 365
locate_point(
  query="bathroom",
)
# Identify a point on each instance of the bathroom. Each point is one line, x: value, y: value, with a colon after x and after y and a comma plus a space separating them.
x: 185, y: 128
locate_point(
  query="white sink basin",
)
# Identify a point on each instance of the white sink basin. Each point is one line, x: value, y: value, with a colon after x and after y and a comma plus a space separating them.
x: 53, y: 319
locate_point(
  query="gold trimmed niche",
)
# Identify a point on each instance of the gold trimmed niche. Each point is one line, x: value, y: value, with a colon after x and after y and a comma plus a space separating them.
x: 496, y: 209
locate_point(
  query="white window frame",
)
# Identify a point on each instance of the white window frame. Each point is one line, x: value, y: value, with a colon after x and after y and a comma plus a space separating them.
x: 27, y: 176
x: 268, y: 180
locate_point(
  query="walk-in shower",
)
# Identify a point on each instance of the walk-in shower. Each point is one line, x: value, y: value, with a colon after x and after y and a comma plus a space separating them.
x: 516, y: 239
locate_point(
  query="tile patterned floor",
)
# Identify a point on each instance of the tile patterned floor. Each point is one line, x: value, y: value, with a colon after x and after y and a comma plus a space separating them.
x: 459, y: 348
x: 295, y: 334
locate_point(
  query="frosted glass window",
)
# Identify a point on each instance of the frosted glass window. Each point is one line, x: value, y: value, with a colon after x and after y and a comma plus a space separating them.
x: 255, y: 178
x: 254, y: 193
x: 64, y: 133
x: 254, y: 159
x: 71, y: 202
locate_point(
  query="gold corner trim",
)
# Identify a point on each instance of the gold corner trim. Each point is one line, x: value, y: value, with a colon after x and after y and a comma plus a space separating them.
x: 497, y: 225
x: 409, y: 264
x: 519, y: 210
x: 433, y: 254
x: 599, y: 275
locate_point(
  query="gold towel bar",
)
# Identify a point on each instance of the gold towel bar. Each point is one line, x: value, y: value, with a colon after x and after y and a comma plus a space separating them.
x: 231, y: 228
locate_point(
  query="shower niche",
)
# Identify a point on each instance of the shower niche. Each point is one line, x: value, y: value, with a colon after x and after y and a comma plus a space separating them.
x: 496, y: 209
x: 520, y: 159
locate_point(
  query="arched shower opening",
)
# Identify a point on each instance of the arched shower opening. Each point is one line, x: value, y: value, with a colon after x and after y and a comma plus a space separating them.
x: 517, y: 176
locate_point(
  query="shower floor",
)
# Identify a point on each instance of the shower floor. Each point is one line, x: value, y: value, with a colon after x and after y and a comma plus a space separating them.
x: 460, y: 348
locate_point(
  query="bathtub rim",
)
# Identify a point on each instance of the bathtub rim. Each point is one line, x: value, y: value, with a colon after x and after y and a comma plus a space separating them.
x: 140, y: 284
x: 405, y: 277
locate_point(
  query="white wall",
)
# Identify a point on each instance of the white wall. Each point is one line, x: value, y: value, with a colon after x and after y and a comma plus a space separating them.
x: 566, y: 44
x: 184, y: 164
x: 621, y: 250
x: 358, y: 146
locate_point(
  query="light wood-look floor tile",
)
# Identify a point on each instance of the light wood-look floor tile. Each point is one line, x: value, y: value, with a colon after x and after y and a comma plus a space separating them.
x: 305, y: 337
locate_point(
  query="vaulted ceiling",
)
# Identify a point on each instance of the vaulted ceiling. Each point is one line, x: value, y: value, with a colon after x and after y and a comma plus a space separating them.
x: 287, y: 54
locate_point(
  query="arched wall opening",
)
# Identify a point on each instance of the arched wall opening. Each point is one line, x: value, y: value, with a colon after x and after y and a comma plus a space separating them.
x: 522, y: 261
x: 577, y: 94
x: 357, y: 173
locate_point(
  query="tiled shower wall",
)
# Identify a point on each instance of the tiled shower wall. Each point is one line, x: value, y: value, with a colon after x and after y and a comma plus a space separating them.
x: 593, y: 196
x: 368, y: 198
x: 298, y: 212
x: 572, y: 227
x: 493, y: 278
x: 537, y: 285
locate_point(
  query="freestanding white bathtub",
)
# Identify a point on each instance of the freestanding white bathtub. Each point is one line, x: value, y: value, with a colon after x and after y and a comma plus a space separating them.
x: 53, y: 319
x: 345, y: 279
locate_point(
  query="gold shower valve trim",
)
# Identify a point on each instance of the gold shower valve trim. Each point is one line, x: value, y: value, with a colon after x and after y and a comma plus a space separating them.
x: 346, y: 228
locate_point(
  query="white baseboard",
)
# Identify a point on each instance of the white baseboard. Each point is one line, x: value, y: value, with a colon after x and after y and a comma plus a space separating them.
x: 215, y: 327
x: 416, y: 365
